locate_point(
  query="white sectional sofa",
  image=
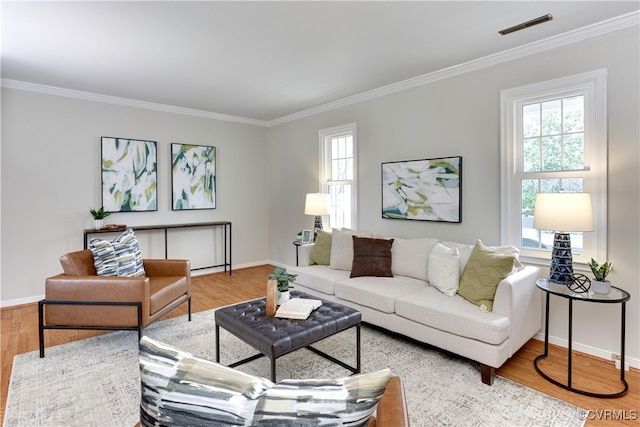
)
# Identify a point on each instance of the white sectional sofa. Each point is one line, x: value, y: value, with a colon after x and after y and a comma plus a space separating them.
x: 409, y: 304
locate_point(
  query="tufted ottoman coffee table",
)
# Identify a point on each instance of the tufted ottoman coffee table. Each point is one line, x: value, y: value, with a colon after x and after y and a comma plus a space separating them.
x: 274, y: 337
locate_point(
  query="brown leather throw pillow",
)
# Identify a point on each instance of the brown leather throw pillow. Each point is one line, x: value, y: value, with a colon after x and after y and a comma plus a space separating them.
x: 371, y: 257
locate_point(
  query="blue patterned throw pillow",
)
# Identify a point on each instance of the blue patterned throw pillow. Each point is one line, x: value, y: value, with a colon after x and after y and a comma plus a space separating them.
x: 120, y: 257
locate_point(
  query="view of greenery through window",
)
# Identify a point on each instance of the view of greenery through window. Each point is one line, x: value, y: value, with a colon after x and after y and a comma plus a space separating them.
x: 552, y: 154
x: 340, y: 181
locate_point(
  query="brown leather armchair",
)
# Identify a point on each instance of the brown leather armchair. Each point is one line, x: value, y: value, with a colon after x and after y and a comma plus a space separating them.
x: 80, y: 299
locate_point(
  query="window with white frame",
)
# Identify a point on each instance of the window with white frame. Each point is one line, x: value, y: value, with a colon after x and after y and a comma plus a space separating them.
x: 553, y: 139
x: 338, y: 173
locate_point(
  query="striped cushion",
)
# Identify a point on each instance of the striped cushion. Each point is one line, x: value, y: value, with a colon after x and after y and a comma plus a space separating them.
x: 120, y: 257
x: 179, y: 389
x: 347, y: 401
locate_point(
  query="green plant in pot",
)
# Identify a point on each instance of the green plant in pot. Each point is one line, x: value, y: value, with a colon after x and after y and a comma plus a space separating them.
x: 98, y: 217
x: 283, y: 278
x: 600, y: 271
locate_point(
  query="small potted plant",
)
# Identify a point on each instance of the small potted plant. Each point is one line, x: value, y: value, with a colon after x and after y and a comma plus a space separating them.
x: 600, y: 271
x: 98, y: 217
x: 283, y: 278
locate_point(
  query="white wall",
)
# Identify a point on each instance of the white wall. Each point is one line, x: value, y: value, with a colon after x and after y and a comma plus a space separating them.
x: 51, y: 176
x: 460, y: 116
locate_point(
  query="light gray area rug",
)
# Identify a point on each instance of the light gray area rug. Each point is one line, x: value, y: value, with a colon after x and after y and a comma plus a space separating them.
x: 95, y: 382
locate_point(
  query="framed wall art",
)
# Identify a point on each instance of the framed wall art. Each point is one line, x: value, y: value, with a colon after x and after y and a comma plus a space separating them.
x: 129, y: 175
x: 193, y: 177
x: 426, y: 190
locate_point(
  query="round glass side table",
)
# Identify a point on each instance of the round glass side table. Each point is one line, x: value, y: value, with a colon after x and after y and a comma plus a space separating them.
x: 616, y: 296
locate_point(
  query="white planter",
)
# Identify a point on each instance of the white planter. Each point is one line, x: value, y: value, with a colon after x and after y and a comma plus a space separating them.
x: 98, y: 224
x: 283, y: 297
x: 601, y: 287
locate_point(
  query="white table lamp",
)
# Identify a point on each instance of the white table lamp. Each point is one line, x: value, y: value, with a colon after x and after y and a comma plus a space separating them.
x: 562, y: 213
x: 317, y: 204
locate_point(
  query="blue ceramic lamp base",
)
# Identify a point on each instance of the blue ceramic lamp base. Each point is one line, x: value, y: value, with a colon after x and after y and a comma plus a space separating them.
x: 561, y: 270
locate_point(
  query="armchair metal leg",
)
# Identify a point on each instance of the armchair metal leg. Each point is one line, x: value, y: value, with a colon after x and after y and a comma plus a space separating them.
x: 41, y: 327
x: 189, y: 303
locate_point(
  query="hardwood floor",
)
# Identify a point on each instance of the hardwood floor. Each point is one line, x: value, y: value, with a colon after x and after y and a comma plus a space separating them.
x: 19, y: 327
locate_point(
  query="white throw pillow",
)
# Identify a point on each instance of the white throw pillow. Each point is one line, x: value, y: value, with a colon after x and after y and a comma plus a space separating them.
x: 342, y: 248
x: 444, y: 269
x: 410, y: 257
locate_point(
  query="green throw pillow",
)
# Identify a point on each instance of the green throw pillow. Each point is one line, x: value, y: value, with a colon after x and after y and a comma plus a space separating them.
x: 321, y: 252
x: 482, y: 274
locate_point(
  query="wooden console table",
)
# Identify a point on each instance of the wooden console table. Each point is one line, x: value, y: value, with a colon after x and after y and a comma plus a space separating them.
x: 167, y: 227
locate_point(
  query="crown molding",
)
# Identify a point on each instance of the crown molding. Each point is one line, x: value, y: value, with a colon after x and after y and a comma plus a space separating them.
x: 594, y: 30
x: 96, y: 97
x: 604, y: 27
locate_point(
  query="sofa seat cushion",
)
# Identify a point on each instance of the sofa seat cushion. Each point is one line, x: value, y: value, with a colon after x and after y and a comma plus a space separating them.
x: 378, y: 293
x: 318, y: 277
x: 165, y: 290
x: 454, y: 315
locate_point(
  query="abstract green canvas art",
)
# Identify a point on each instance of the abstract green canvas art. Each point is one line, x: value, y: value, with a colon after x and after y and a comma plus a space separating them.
x: 427, y: 190
x: 129, y: 175
x: 193, y: 177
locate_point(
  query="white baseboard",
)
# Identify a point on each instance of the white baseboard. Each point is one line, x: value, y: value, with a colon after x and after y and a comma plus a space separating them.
x: 593, y: 351
x: 20, y: 301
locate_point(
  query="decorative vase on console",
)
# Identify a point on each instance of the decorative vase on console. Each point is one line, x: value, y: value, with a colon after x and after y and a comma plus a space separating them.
x: 98, y: 217
x: 600, y: 271
x: 283, y: 278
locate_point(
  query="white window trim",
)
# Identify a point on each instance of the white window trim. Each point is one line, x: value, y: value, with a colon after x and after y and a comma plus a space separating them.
x: 323, y: 134
x: 595, y: 87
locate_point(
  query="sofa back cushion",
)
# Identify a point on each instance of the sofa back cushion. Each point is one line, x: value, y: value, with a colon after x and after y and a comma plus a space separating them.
x: 342, y: 248
x: 371, y: 257
x: 466, y: 249
x: 410, y: 257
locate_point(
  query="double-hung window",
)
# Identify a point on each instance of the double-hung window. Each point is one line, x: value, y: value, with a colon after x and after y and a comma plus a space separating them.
x: 338, y: 173
x: 554, y: 139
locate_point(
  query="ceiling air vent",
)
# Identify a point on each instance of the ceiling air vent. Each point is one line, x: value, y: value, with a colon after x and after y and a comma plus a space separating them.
x: 527, y: 24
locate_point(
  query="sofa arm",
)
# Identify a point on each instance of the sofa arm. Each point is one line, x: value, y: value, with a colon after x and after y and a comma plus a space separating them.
x: 96, y: 288
x: 304, y: 254
x: 167, y: 267
x: 392, y: 408
x: 518, y: 298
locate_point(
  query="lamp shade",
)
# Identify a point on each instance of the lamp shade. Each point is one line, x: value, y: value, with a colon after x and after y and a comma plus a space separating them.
x: 563, y: 212
x: 317, y: 204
